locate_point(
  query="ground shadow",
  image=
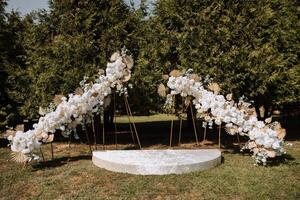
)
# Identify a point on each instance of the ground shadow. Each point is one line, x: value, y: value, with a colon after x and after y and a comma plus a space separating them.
x: 57, y: 162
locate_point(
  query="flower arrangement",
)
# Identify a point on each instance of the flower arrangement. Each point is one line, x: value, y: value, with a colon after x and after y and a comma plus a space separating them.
x: 74, y: 109
x: 265, y: 138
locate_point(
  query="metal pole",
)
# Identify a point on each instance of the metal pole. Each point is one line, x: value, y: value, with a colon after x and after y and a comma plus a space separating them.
x: 171, y: 133
x: 137, y: 137
x: 194, y: 125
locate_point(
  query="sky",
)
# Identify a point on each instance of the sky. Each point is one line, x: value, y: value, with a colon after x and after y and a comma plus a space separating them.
x: 26, y: 6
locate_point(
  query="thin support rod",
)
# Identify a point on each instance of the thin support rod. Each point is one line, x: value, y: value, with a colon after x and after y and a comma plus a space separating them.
x: 95, y: 138
x: 130, y: 126
x: 238, y: 139
x: 52, y: 152
x: 171, y: 133
x: 134, y: 127
x: 204, y: 136
x: 103, y: 132
x: 194, y: 125
x: 115, y: 122
x: 42, y: 153
x: 88, y: 139
x: 180, y: 128
x: 220, y: 126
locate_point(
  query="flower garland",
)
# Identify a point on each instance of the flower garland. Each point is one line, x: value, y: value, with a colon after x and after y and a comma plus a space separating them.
x: 265, y: 138
x: 74, y: 110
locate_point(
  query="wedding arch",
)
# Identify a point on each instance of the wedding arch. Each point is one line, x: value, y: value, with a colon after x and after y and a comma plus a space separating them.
x: 265, y: 138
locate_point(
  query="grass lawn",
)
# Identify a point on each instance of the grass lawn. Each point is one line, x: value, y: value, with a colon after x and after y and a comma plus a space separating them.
x: 73, y: 176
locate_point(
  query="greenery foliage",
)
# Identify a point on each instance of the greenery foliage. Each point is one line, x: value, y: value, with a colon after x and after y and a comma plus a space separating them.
x: 249, y: 47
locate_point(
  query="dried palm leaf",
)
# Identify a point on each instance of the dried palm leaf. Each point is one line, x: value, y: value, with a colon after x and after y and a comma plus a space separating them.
x: 214, y: 87
x: 57, y: 99
x: 19, y: 157
x: 115, y: 56
x: 161, y: 90
x: 175, y: 73
x: 128, y: 60
x: 79, y: 91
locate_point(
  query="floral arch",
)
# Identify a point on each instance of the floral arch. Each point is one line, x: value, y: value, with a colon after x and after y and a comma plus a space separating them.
x: 265, y: 138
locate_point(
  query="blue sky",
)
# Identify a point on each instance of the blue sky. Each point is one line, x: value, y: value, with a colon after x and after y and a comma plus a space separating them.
x: 26, y: 6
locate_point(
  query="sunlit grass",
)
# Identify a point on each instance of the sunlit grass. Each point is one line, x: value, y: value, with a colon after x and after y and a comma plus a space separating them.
x: 71, y: 175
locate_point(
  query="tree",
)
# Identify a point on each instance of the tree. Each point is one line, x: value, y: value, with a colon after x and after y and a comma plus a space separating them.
x: 249, y: 47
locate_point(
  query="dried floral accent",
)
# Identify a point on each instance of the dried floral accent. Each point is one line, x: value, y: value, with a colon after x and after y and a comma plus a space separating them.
x: 229, y: 97
x: 165, y: 77
x: 195, y: 77
x: 214, y: 87
x: 19, y: 157
x: 175, y: 73
x: 161, y: 90
x: 115, y: 56
x: 50, y: 138
x: 79, y: 91
x: 42, y: 111
x: 57, y: 99
x: 128, y: 60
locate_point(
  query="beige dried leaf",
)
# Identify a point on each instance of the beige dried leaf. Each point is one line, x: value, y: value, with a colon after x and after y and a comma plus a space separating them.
x: 42, y: 111
x: 79, y: 91
x: 19, y: 157
x: 255, y: 151
x: 57, y: 99
x: 175, y: 73
x: 271, y: 154
x: 214, y: 87
x: 187, y: 102
x: 20, y: 127
x: 195, y: 77
x: 127, y: 77
x: 128, y: 60
x: 95, y: 94
x: 50, y: 138
x: 229, y: 97
x: 161, y: 90
x: 115, y: 56
x: 281, y: 133
x: 106, y: 101
x: 231, y: 130
x: 165, y: 77
x: 268, y: 120
x: 101, y: 71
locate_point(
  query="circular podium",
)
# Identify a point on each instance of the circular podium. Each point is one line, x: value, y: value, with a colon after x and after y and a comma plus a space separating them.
x: 157, y: 162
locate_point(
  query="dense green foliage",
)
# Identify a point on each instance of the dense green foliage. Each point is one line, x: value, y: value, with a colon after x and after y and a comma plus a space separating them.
x: 249, y: 47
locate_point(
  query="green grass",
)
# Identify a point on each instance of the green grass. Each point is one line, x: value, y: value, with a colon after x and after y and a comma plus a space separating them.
x: 73, y: 176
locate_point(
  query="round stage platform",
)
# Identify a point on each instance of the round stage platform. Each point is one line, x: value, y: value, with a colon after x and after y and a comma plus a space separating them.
x: 157, y: 162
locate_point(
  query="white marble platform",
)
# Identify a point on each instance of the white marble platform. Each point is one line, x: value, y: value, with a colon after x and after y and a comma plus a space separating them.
x: 157, y: 162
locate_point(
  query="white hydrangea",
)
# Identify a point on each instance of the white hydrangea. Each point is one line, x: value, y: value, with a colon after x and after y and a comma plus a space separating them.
x: 71, y: 111
x: 224, y: 111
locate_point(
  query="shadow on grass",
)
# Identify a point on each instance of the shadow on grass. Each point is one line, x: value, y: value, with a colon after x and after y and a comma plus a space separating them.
x: 285, y: 159
x: 58, y: 162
